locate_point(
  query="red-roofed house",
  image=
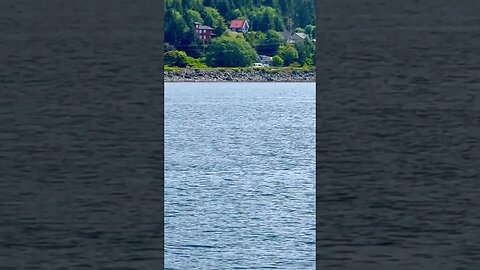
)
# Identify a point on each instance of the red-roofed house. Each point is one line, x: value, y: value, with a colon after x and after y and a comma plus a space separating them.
x: 204, y: 32
x: 239, y: 26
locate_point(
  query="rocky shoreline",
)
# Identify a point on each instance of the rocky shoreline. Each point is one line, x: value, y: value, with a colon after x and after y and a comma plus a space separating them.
x: 193, y: 75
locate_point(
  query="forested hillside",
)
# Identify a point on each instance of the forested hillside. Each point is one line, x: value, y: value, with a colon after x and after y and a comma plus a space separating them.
x: 262, y: 16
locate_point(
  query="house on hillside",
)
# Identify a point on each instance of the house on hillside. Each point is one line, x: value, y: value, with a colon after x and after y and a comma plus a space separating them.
x: 286, y: 37
x: 239, y: 26
x: 265, y: 60
x: 204, y: 32
x: 299, y: 37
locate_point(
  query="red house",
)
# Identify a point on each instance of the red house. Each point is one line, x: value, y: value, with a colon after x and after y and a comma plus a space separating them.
x: 239, y: 26
x: 205, y: 32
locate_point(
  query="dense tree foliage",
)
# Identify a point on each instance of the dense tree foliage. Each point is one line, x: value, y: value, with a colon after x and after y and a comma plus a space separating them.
x: 263, y: 15
x: 277, y: 61
x: 310, y: 30
x: 306, y: 52
x: 288, y: 53
x: 269, y: 44
x: 267, y: 18
x: 176, y: 58
x: 254, y: 38
x: 228, y: 51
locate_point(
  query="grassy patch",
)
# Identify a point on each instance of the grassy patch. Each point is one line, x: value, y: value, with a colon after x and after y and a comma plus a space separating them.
x: 168, y: 68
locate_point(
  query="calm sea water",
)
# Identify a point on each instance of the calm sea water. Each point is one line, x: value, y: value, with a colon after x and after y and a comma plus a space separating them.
x: 240, y: 176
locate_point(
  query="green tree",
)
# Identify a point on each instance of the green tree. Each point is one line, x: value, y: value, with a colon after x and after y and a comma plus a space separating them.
x: 277, y: 61
x: 175, y: 58
x: 270, y: 44
x: 175, y: 27
x: 237, y: 13
x: 226, y: 51
x: 265, y: 18
x: 225, y: 8
x: 213, y: 18
x: 310, y: 30
x: 306, y: 52
x: 174, y: 4
x: 299, y: 30
x: 262, y: 15
x: 254, y: 38
x: 288, y: 53
x: 194, y: 17
x: 304, y: 13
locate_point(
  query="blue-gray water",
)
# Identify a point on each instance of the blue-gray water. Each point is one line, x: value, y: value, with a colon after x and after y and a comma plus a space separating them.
x: 240, y: 176
x: 399, y: 135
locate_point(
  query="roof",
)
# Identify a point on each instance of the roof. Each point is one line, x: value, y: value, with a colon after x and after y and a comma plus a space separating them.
x: 204, y: 27
x: 301, y: 35
x: 237, y: 23
x: 286, y: 35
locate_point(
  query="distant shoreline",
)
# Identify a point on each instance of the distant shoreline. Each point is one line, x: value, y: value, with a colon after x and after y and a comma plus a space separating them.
x: 240, y: 75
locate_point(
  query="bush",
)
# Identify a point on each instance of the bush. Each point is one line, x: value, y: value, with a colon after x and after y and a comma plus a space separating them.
x: 277, y: 61
x: 288, y: 53
x: 295, y: 65
x: 299, y: 30
x: 175, y: 58
x: 196, y: 62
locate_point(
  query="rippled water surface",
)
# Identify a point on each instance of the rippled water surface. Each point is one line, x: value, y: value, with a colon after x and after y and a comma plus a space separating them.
x: 240, y: 176
x: 80, y: 144
x: 399, y: 135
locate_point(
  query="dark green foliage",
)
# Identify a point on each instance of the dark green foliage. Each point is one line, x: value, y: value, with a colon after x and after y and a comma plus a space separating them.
x: 265, y: 18
x: 299, y: 30
x: 180, y: 35
x: 254, y: 38
x: 175, y: 27
x: 263, y: 15
x: 306, y: 52
x: 270, y: 43
x: 194, y: 16
x: 310, y: 30
x: 213, y: 19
